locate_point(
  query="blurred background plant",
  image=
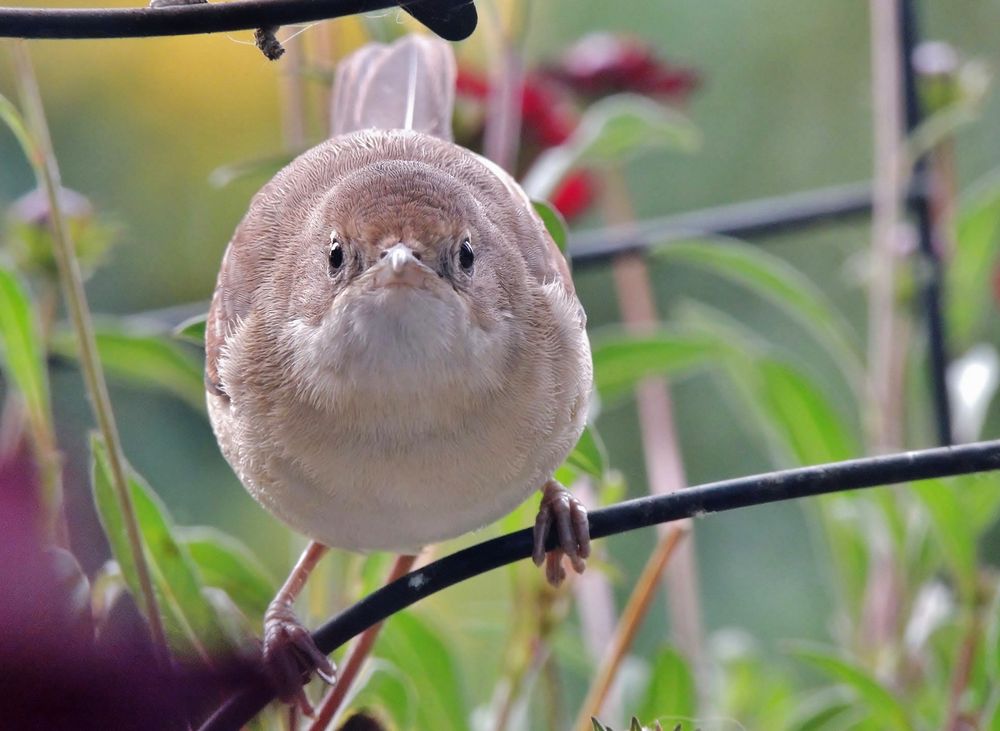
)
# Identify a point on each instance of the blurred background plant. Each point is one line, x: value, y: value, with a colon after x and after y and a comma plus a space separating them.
x: 868, y: 611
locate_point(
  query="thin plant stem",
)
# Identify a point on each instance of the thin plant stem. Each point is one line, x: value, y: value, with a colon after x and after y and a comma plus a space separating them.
x: 884, y: 389
x: 661, y: 448
x: 628, y: 626
x: 963, y: 672
x: 543, y: 612
x: 886, y: 352
x: 71, y: 281
x: 358, y: 654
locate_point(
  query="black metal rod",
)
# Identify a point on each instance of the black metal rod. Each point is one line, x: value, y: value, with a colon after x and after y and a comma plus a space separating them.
x: 761, y: 217
x: 693, y: 502
x: 453, y: 21
x: 931, y: 269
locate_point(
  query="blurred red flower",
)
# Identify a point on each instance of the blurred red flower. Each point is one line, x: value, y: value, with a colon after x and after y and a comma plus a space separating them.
x: 54, y: 673
x: 595, y: 66
x: 602, y: 63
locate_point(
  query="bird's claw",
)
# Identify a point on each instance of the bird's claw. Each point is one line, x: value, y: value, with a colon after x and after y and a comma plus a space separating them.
x: 564, y: 513
x: 291, y: 656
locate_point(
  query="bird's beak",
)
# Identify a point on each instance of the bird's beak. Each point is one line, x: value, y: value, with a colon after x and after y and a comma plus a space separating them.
x: 399, y: 266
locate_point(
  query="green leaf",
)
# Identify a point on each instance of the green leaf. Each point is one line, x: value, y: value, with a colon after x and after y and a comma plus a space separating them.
x: 801, y: 414
x: 390, y: 689
x: 192, y: 329
x: 624, y: 126
x: 409, y: 642
x: 776, y: 281
x: 190, y: 620
x: 225, y: 563
x: 671, y: 690
x: 589, y: 455
x: 622, y: 361
x: 555, y: 224
x: 598, y: 726
x: 980, y: 496
x: 634, y: 724
x: 145, y: 360
x: 818, y: 711
x: 970, y: 272
x: 951, y: 527
x: 881, y: 703
x: 13, y: 119
x: 797, y: 417
x: 22, y: 349
x: 258, y: 167
x: 610, y: 133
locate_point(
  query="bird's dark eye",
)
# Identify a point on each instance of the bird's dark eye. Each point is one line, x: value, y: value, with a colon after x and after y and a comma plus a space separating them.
x: 336, y: 256
x: 466, y: 256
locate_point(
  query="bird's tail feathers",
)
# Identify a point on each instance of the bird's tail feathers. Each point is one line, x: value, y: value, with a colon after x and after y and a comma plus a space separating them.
x: 408, y: 84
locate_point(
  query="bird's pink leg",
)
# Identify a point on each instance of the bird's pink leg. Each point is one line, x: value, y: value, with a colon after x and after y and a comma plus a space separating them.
x: 565, y: 514
x: 290, y: 655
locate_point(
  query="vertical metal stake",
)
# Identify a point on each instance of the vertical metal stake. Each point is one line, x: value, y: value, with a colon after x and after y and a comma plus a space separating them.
x: 931, y: 275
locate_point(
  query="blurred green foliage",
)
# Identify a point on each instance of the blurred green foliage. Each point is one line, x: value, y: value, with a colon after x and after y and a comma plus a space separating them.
x: 761, y: 342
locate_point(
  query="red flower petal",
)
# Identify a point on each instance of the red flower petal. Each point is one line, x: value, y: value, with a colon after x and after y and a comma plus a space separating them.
x: 575, y: 194
x: 602, y: 63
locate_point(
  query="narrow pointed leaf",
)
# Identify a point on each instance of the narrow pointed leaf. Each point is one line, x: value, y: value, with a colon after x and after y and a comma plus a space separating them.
x: 671, y: 690
x: 554, y: 223
x: 10, y: 116
x: 189, y: 618
x: 785, y: 403
x: 970, y: 273
x: 144, y: 360
x: 884, y: 707
x: 192, y: 329
x: 611, y: 132
x: 261, y: 168
x: 622, y: 361
x: 589, y: 455
x: 407, y: 641
x: 225, y: 563
x: 943, y: 503
x: 776, y: 281
x: 21, y: 347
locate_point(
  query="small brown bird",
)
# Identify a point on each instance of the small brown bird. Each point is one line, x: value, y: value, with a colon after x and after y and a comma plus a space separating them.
x: 395, y: 351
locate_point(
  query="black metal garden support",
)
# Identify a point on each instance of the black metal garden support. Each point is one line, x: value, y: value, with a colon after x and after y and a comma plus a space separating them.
x: 931, y: 268
x: 453, y: 20
x: 763, y: 217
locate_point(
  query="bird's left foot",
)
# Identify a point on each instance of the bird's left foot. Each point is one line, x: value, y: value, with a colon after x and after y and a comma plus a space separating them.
x: 291, y: 656
x: 568, y: 517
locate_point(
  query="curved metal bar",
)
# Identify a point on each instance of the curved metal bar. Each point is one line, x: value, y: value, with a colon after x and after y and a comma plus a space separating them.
x: 453, y: 20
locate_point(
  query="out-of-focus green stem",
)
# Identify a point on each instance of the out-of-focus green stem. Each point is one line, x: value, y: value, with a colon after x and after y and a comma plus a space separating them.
x: 628, y: 626
x: 71, y: 281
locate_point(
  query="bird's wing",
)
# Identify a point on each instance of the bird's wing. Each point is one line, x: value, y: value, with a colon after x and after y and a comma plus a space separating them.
x: 553, y: 265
